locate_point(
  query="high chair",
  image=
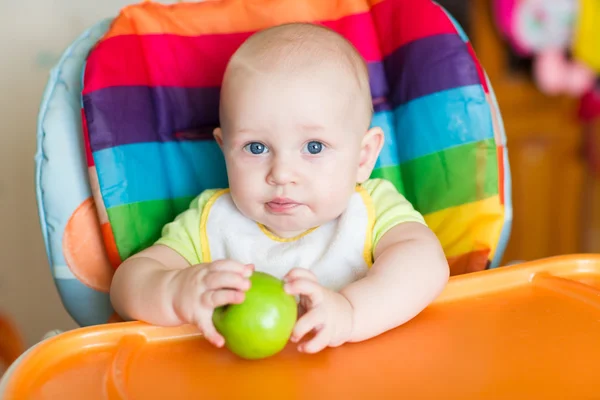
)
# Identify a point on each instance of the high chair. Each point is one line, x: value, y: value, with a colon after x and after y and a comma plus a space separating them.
x: 125, y: 129
x: 125, y: 143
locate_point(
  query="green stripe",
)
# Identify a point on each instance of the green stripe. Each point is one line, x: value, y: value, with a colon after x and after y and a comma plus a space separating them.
x: 137, y: 226
x: 449, y: 178
x: 392, y: 174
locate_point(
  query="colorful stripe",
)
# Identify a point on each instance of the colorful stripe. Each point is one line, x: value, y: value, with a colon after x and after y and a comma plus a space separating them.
x: 138, y: 225
x: 116, y: 61
x: 480, y: 72
x: 151, y: 97
x: 110, y: 245
x: 462, y: 229
x: 86, y: 140
x: 459, y: 30
x: 394, y: 175
x: 224, y: 17
x: 175, y: 107
x: 470, y: 262
x: 178, y: 169
x: 405, y: 128
x: 125, y: 115
x: 452, y: 177
x: 466, y: 228
x: 151, y: 171
x: 429, y: 65
x: 399, y: 22
x: 421, y: 133
x: 146, y: 114
x: 137, y: 111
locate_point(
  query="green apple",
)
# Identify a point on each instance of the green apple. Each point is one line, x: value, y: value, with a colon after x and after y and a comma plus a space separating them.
x: 261, y: 326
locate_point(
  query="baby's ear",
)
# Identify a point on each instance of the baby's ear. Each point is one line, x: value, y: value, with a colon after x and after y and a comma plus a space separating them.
x: 218, y: 134
x: 371, y: 146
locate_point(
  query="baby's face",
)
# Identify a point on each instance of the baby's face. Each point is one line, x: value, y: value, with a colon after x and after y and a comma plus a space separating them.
x: 292, y: 148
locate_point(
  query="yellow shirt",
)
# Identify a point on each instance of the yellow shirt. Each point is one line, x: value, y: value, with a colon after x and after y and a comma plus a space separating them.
x: 389, y: 209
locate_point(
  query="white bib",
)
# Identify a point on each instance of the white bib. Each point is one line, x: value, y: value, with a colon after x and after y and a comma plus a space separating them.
x: 338, y: 253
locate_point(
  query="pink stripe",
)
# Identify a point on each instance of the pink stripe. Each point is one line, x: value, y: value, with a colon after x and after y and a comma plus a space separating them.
x: 480, y: 70
x: 200, y: 61
x: 86, y: 140
x: 399, y: 22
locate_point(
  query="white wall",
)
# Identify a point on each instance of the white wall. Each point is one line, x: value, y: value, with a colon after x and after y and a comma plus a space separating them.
x: 33, y: 33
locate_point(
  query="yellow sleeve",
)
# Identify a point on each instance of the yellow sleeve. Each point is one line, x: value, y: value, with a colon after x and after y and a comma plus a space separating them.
x: 183, y: 234
x: 391, y: 208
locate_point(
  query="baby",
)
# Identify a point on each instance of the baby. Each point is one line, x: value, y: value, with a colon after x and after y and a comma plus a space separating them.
x: 295, y: 116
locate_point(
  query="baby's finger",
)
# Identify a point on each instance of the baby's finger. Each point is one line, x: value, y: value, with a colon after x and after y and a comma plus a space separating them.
x: 211, y: 334
x: 232, y: 266
x: 318, y: 342
x: 309, y: 321
x: 217, y: 298
x: 298, y: 273
x: 226, y: 280
x: 309, y: 288
x: 301, y: 309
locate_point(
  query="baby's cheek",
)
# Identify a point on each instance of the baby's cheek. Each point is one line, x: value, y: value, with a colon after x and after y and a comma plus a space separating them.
x: 333, y: 197
x: 245, y: 174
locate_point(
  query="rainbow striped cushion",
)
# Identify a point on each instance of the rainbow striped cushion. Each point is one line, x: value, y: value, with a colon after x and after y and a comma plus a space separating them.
x: 150, y: 102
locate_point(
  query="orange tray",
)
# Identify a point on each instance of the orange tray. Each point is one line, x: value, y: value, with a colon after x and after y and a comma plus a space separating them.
x: 522, y: 332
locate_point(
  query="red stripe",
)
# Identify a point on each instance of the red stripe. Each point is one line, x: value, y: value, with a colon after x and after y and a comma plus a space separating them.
x: 199, y: 61
x: 193, y: 61
x: 402, y: 21
x: 479, y: 68
x: 111, y: 245
x: 86, y: 140
x: 474, y: 261
x: 500, y: 153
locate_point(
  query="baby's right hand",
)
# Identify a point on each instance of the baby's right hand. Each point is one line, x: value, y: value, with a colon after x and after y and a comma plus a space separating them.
x: 198, y: 290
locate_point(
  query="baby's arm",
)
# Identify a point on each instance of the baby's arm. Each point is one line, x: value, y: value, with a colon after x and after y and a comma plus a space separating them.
x: 160, y: 287
x: 168, y: 284
x: 141, y: 287
x: 409, y: 272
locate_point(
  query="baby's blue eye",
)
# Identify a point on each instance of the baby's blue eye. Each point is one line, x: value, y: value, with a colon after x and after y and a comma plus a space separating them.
x: 256, y: 148
x: 314, y: 147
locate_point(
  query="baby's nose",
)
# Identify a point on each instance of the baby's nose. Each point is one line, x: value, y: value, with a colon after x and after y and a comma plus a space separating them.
x: 281, y: 172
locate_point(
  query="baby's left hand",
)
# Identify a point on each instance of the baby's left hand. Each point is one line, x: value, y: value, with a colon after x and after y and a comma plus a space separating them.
x: 329, y: 314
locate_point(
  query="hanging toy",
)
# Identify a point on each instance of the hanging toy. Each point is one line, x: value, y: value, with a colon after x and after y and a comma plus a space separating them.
x: 586, y: 47
x: 586, y: 41
x: 544, y: 30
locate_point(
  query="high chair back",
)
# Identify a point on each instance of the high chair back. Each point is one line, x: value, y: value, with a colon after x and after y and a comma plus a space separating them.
x: 134, y: 101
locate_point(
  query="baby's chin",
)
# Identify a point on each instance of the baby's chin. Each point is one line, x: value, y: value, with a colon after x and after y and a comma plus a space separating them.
x: 287, y: 229
x: 284, y: 223
x: 287, y: 226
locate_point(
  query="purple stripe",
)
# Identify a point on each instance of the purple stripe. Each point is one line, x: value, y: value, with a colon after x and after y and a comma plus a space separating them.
x: 377, y: 79
x: 135, y: 114
x: 427, y: 66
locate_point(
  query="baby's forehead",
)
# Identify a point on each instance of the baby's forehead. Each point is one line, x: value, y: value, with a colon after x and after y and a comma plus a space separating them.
x: 296, y: 49
x: 296, y: 57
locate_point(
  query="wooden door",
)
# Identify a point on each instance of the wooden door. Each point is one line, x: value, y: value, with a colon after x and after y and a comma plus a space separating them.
x: 591, y: 207
x: 544, y: 143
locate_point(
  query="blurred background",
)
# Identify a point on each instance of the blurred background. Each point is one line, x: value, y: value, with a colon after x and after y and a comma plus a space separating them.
x: 554, y: 146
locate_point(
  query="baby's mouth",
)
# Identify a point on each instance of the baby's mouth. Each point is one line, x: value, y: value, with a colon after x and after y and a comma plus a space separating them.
x: 281, y: 205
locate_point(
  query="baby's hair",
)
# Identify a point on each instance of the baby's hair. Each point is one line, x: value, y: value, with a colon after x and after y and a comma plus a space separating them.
x: 301, y: 47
